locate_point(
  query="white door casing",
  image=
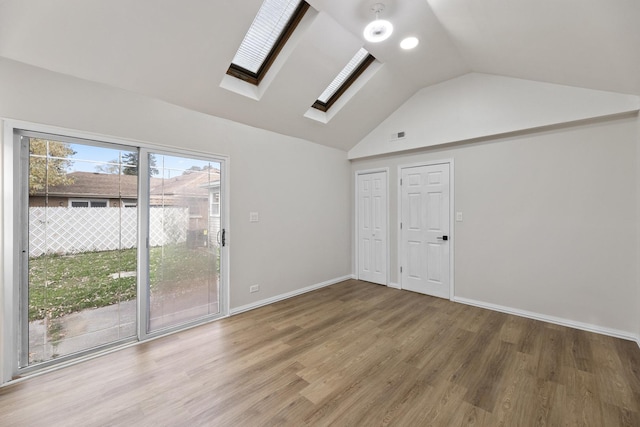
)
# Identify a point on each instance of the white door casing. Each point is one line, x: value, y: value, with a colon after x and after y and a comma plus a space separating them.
x: 425, y: 229
x: 372, y: 227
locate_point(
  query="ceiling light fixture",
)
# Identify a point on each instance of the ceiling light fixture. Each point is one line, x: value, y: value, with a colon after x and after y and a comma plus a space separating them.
x: 378, y: 30
x: 409, y: 43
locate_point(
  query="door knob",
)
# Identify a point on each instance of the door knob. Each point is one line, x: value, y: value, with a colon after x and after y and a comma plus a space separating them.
x: 443, y: 238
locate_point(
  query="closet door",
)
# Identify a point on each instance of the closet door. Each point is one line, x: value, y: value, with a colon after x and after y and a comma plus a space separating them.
x: 372, y: 227
x: 425, y: 244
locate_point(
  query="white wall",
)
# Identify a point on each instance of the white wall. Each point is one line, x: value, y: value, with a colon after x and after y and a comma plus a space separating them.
x: 550, y: 220
x: 638, y: 232
x: 298, y: 188
x: 479, y: 105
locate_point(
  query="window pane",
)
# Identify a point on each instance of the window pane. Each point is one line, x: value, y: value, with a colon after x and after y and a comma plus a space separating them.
x: 184, y: 251
x: 351, y: 66
x: 82, y: 262
x: 267, y: 26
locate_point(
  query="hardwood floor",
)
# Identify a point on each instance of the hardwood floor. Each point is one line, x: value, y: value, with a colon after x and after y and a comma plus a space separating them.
x: 350, y: 354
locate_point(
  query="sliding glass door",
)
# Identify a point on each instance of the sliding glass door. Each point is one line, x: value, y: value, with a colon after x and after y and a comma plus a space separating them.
x: 119, y: 244
x: 184, y: 249
x: 79, y: 287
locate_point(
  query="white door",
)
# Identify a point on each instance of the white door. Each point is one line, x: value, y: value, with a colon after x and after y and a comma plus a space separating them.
x: 372, y: 227
x: 424, y: 231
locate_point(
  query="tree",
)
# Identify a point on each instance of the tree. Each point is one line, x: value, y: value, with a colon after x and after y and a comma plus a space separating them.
x: 111, y: 168
x: 198, y: 169
x: 194, y: 169
x: 130, y: 164
x: 48, y: 164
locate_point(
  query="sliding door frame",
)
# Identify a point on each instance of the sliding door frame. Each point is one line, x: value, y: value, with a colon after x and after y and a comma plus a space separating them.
x: 23, y: 279
x: 13, y: 249
x: 144, y: 296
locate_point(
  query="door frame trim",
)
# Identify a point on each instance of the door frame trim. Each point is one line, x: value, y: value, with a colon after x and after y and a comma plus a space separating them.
x: 452, y: 239
x: 357, y: 223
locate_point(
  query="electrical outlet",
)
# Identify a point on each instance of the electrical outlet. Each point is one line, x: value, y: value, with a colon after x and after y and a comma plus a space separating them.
x: 254, y: 288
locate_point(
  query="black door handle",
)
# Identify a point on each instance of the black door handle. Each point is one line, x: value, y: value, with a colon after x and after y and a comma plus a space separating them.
x: 224, y: 237
x: 443, y: 238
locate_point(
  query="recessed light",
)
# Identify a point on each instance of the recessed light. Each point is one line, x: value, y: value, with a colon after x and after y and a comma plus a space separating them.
x: 409, y: 43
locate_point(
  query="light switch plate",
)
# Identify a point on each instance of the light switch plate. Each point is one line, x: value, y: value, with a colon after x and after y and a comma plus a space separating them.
x: 253, y: 217
x: 459, y: 216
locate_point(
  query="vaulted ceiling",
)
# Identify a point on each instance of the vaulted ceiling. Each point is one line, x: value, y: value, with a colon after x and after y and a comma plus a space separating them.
x: 179, y: 51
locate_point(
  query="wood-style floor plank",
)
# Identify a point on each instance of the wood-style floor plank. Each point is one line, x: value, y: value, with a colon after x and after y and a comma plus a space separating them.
x: 349, y: 354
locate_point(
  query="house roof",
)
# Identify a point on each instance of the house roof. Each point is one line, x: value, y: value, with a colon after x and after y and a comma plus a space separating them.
x: 191, y: 184
x: 102, y: 185
x: 179, y: 52
x: 98, y: 185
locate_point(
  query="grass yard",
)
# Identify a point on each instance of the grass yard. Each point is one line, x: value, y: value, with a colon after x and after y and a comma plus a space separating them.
x: 63, y: 284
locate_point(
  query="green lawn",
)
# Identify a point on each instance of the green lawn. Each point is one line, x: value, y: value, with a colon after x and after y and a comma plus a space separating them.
x: 60, y: 285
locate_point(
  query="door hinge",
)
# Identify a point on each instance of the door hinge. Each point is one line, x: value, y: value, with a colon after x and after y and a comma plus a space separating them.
x: 400, y: 226
x: 400, y: 181
x: 400, y: 269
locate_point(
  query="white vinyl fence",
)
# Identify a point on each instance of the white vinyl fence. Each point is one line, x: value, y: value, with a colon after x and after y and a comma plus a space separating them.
x: 74, y: 230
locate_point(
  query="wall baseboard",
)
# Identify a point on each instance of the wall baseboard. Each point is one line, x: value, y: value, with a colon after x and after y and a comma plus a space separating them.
x: 288, y: 295
x: 551, y: 319
x: 393, y: 285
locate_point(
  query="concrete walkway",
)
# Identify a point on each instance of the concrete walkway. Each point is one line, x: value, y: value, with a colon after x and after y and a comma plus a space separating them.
x: 80, y: 331
x: 96, y: 327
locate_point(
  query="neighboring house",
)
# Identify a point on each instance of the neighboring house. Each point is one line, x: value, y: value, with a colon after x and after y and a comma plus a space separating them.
x: 186, y: 190
x: 214, y: 209
x: 90, y: 190
x: 192, y: 189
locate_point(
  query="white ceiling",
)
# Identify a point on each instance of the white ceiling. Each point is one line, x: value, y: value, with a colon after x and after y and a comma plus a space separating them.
x: 179, y: 50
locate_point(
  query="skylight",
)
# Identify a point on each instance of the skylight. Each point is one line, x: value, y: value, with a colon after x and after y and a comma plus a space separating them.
x: 356, y: 66
x: 268, y: 33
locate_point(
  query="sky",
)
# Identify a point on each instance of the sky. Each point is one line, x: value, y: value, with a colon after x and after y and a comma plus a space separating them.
x: 88, y: 158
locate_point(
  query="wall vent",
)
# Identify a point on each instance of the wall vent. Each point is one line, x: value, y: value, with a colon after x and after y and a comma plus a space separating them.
x: 398, y: 135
